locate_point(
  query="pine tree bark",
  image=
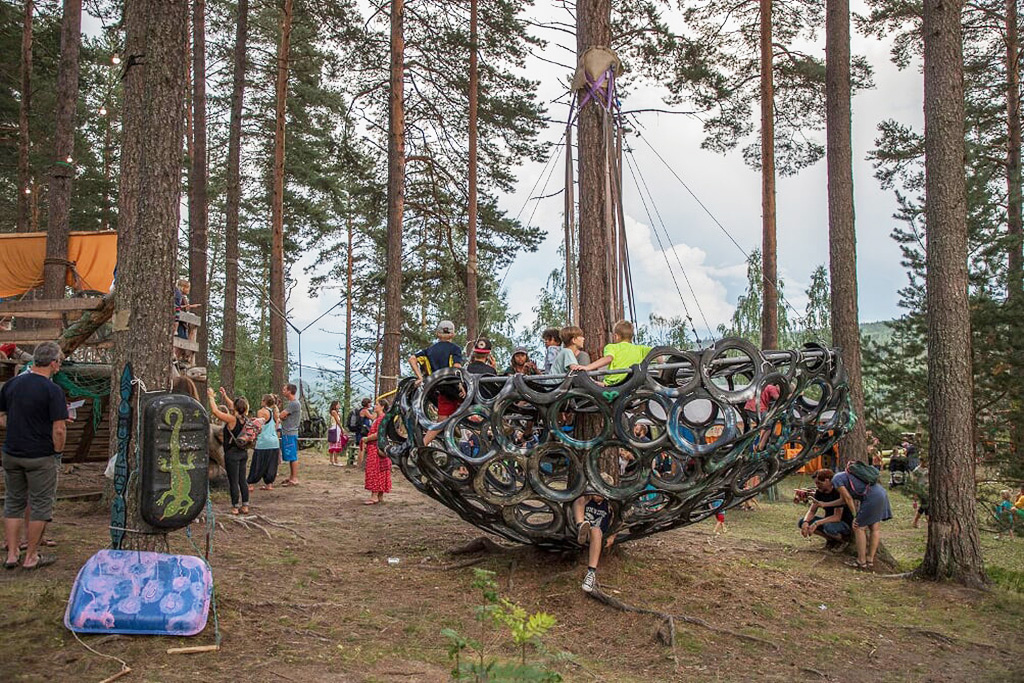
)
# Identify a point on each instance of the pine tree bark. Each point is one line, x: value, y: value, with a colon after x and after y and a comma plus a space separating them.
x: 769, y: 263
x: 1014, y: 231
x: 953, y: 550
x: 348, y: 325
x: 233, y: 200
x: 156, y: 36
x: 24, y: 110
x: 842, y: 228
x: 593, y: 28
x: 278, y: 332
x: 472, y: 313
x: 388, y: 367
x: 198, y: 209
x: 62, y: 171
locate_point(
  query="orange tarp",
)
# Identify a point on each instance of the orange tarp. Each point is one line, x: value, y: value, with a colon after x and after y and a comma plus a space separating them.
x: 21, y: 261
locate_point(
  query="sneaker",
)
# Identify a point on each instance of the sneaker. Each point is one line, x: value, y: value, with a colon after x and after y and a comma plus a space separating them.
x: 583, y: 534
x: 831, y: 544
x: 841, y: 547
x: 589, y: 581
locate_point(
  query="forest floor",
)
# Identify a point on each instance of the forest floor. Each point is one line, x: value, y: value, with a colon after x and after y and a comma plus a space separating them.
x: 325, y: 604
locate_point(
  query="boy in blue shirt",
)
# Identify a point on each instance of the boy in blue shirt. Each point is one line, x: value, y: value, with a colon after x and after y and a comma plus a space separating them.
x: 441, y: 354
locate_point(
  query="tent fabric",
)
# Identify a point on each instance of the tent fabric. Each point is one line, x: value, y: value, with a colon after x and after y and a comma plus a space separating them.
x: 94, y: 255
x: 594, y: 62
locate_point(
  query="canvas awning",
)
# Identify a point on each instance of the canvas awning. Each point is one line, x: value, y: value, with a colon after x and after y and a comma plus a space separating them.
x: 94, y: 255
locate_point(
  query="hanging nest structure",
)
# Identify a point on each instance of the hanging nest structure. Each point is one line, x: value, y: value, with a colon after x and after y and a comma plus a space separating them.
x: 519, y: 450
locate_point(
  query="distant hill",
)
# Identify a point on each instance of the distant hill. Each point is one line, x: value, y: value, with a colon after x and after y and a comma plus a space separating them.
x: 878, y: 332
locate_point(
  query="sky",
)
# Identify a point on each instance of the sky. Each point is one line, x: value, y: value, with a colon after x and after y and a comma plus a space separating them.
x: 731, y: 192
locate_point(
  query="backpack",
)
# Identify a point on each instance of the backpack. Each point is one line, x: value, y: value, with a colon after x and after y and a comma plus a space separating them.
x: 353, y: 420
x: 866, y: 473
x: 250, y: 430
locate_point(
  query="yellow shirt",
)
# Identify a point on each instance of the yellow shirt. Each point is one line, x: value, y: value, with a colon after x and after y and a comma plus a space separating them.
x: 624, y: 355
x: 1020, y: 502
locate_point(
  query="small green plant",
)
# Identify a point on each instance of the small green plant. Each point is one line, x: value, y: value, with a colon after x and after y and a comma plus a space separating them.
x: 523, y: 629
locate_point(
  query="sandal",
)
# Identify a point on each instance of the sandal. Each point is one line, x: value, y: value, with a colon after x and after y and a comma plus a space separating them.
x: 857, y: 564
x: 10, y: 565
x: 369, y: 502
x: 244, y: 509
x: 41, y: 561
x: 234, y: 511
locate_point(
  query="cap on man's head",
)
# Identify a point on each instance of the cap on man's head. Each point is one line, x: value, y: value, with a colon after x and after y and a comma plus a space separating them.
x: 522, y: 350
x: 482, y: 346
x: 446, y: 327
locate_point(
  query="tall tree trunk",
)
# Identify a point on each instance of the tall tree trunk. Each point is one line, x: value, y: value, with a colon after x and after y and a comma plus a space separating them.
x: 278, y: 333
x: 472, y: 314
x: 769, y: 264
x: 156, y: 34
x: 388, y: 369
x: 24, y: 109
x: 1015, y: 266
x: 953, y: 550
x: 842, y: 230
x: 593, y: 28
x: 62, y: 171
x: 233, y: 200
x: 377, y: 388
x: 348, y: 326
x: 198, y: 211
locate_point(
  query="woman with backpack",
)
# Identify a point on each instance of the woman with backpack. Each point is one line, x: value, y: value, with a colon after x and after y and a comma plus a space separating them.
x: 235, y: 453
x: 860, y: 482
x: 267, y: 452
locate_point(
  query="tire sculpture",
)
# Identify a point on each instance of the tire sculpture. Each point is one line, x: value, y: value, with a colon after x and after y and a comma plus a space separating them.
x: 519, y: 450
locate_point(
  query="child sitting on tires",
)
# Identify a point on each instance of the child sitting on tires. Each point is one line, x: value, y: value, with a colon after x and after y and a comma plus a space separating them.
x: 593, y: 516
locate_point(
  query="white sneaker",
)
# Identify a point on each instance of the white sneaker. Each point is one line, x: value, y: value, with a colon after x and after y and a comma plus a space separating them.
x: 583, y: 534
x: 589, y: 581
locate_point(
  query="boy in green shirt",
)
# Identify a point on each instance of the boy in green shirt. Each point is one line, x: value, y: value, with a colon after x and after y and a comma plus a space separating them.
x: 623, y: 353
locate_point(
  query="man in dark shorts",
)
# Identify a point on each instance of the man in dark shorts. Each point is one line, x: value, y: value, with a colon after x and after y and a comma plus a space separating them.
x: 836, y: 522
x: 441, y: 354
x: 34, y: 411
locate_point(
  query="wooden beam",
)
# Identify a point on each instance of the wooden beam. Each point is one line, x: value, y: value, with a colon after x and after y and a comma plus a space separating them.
x: 28, y: 336
x: 190, y: 318
x: 28, y: 306
x: 186, y: 344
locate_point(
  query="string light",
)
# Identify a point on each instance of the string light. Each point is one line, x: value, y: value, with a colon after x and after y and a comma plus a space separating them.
x: 103, y: 111
x: 28, y: 190
x: 115, y: 60
x: 70, y: 160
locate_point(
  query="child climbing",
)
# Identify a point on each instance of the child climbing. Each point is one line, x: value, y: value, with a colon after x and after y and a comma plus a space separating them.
x: 622, y: 353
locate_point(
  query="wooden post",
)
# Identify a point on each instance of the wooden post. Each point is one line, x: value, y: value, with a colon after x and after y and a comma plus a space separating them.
x: 472, y: 306
x: 233, y: 201
x: 62, y: 170
x: 198, y: 210
x: 389, y: 365
x: 24, y: 109
x: 769, y: 266
x: 278, y: 332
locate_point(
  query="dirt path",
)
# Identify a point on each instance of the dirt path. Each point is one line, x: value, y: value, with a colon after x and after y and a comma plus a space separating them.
x: 324, y: 604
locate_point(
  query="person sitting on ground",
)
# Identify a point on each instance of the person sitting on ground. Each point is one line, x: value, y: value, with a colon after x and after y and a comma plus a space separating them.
x: 1007, y: 512
x: 593, y: 516
x: 572, y: 344
x: 34, y: 411
x: 235, y: 454
x: 622, y: 353
x: 836, y: 523
x: 552, y: 343
x: 1019, y: 503
x: 872, y: 511
x: 441, y: 354
x: 377, y: 478
x: 521, y: 364
x: 290, y: 418
x: 267, y: 450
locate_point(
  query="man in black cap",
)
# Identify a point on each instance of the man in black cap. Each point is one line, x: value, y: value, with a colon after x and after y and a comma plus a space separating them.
x: 482, y: 363
x: 521, y: 364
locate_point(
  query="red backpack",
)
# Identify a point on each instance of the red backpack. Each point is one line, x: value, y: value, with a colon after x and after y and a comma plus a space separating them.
x: 251, y: 429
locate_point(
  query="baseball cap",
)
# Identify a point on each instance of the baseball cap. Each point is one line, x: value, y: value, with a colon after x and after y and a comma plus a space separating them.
x: 482, y: 346
x: 521, y: 349
x: 446, y: 327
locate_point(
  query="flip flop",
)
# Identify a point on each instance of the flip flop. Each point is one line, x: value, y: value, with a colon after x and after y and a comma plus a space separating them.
x: 11, y: 565
x: 42, y: 561
x: 369, y: 502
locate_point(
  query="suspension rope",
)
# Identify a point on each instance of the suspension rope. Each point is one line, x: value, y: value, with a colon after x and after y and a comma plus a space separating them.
x: 679, y: 291
x: 774, y: 283
x: 675, y: 254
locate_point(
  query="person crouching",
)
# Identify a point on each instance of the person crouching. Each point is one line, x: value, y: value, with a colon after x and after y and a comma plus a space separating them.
x: 836, y: 523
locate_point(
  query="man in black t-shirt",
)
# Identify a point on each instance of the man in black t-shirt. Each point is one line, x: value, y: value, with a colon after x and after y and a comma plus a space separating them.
x: 34, y: 411
x: 481, y: 363
x: 836, y: 523
x: 441, y: 354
